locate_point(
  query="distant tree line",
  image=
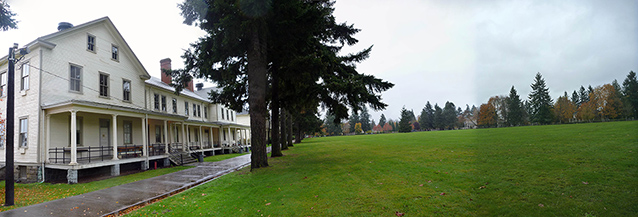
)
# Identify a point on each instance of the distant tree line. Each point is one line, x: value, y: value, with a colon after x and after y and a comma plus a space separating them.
x: 602, y: 103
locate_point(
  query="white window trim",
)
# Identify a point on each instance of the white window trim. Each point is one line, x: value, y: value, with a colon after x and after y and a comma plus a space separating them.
x: 20, y: 143
x: 117, y: 54
x: 130, y: 91
x: 25, y: 65
x: 108, y: 85
x: 94, y: 43
x: 81, y: 78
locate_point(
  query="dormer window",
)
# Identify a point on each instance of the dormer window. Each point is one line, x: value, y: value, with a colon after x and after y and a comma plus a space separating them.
x: 114, y: 53
x: 90, y: 43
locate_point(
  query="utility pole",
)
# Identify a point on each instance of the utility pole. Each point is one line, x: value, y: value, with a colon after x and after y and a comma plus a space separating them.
x: 9, y: 184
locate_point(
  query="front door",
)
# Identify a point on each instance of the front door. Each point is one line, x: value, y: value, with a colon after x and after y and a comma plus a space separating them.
x: 104, y: 132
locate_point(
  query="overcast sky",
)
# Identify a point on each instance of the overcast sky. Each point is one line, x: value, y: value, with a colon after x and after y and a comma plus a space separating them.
x: 437, y: 51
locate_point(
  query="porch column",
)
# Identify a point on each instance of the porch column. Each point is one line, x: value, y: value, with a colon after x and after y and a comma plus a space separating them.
x: 48, y: 138
x: 210, y: 137
x: 166, y: 136
x: 183, y: 137
x: 74, y: 139
x: 145, y: 137
x: 229, y: 136
x: 114, y: 140
x: 201, y: 138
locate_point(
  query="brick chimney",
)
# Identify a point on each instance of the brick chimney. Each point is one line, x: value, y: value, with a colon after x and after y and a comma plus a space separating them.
x: 165, y: 64
x: 189, y: 86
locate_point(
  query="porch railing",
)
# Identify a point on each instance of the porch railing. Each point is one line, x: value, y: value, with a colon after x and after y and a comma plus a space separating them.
x: 175, y: 147
x: 156, y: 149
x: 84, y: 154
x: 129, y: 151
x: 193, y: 146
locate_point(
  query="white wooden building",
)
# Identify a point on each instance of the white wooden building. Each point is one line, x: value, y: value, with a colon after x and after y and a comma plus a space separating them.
x: 85, y: 105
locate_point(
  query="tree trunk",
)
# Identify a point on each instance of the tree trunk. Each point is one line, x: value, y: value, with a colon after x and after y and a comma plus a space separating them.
x: 284, y: 143
x: 276, y: 146
x: 257, y: 80
x: 298, y: 136
x: 289, y: 128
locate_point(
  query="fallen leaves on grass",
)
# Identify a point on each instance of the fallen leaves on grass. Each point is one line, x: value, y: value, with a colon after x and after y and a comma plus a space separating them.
x: 442, y: 193
x: 398, y: 213
x: 586, y: 183
x: 268, y: 204
x: 541, y: 205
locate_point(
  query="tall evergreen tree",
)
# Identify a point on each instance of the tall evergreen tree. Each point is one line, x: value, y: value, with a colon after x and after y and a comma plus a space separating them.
x: 449, y: 115
x: 439, y: 119
x: 332, y: 128
x: 427, y: 117
x: 365, y: 119
x: 575, y: 98
x: 514, y: 108
x: 630, y: 92
x: 382, y: 120
x: 404, y: 122
x: 584, y: 95
x: 540, y: 101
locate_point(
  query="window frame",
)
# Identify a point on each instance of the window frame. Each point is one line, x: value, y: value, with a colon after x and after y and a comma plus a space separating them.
x: 174, y: 105
x: 156, y: 101
x: 163, y: 105
x: 186, y: 108
x: 205, y: 112
x: 91, y: 45
x: 194, y: 110
x: 24, y: 79
x: 3, y: 83
x: 23, y: 132
x: 77, y: 80
x: 105, y: 87
x: 115, y: 53
x: 78, y: 130
x: 158, y: 134
x: 126, y: 95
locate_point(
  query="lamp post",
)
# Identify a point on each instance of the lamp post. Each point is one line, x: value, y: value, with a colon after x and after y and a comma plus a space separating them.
x: 9, y: 176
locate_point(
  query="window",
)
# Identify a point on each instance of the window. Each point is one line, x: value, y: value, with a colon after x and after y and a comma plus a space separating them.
x: 194, y: 110
x: 196, y: 136
x: 114, y: 52
x: 199, y: 111
x: 174, y: 105
x: 156, y: 101
x: 222, y: 114
x: 186, y: 108
x: 90, y: 43
x: 163, y: 103
x: 128, y: 132
x: 232, y: 116
x: 3, y: 84
x: 227, y: 114
x: 126, y: 90
x: 176, y: 133
x: 75, y: 78
x: 158, y: 134
x: 205, y: 112
x: 104, y: 85
x: 25, y: 77
x: 24, y: 130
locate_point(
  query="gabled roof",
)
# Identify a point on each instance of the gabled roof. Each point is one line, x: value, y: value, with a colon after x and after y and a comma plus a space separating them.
x: 44, y: 41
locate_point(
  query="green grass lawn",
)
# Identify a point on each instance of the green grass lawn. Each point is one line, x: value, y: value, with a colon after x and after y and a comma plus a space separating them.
x: 34, y: 193
x: 558, y: 170
x: 223, y: 157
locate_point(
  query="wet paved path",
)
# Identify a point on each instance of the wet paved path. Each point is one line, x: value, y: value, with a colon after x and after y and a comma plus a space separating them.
x: 118, y: 198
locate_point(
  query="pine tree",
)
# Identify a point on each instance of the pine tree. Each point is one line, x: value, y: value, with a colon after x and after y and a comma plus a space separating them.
x: 439, y: 120
x: 630, y: 92
x: 382, y: 121
x: 332, y: 128
x: 540, y: 101
x: 575, y: 99
x: 354, y: 119
x: 584, y: 96
x: 7, y: 17
x: 449, y: 115
x: 514, y: 108
x: 364, y: 119
x: 404, y: 123
x: 427, y: 117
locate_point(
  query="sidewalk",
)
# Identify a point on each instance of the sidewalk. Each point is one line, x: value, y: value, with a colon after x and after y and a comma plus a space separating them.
x: 115, y: 199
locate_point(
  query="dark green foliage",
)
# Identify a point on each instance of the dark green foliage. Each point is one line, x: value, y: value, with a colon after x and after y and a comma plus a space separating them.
x: 382, y: 120
x: 439, y: 120
x: 630, y: 92
x: 427, y: 117
x: 584, y: 95
x: 365, y: 119
x: 575, y: 98
x: 332, y: 128
x: 404, y: 122
x: 449, y: 116
x: 514, y: 108
x: 7, y: 20
x: 540, y: 101
x: 354, y: 119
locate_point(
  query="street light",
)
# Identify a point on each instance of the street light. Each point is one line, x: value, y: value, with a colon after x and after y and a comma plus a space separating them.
x: 9, y: 177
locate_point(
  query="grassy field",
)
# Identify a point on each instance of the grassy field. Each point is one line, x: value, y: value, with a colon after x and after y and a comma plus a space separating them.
x: 222, y: 157
x: 34, y: 193
x: 558, y: 170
